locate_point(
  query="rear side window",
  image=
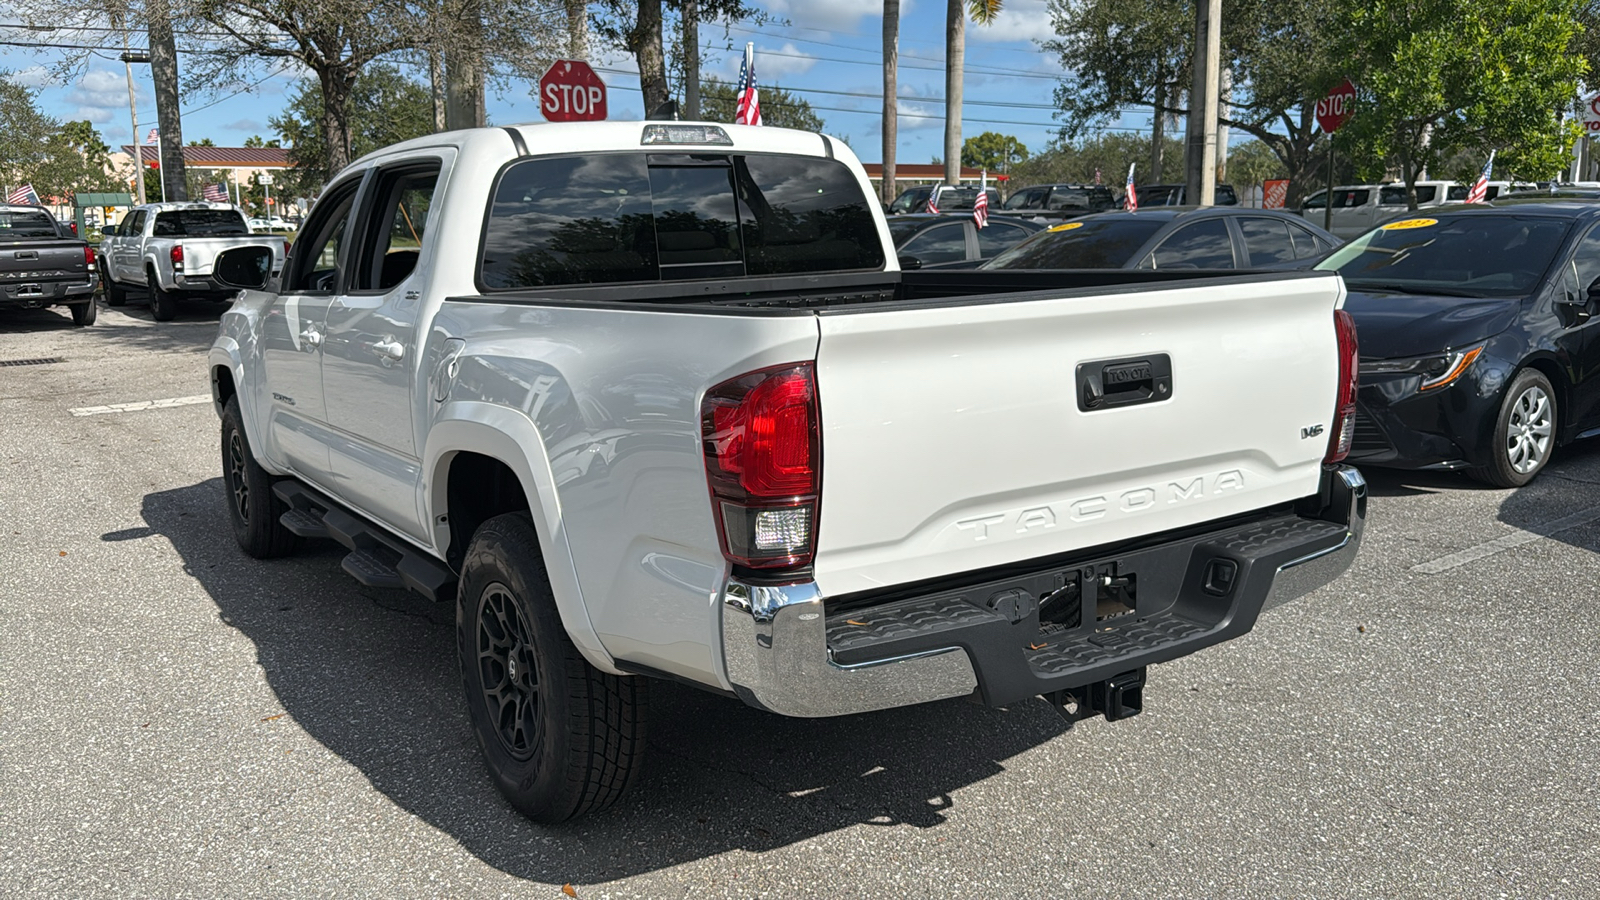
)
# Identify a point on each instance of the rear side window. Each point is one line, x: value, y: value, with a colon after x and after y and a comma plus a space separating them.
x: 199, y: 223
x: 1225, y: 196
x: 20, y: 225
x: 1396, y: 196
x: 1203, y: 245
x: 944, y: 243
x: 647, y: 217
x: 1267, y: 240
x: 997, y: 237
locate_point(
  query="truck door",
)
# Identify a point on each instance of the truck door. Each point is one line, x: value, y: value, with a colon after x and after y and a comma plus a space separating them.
x: 126, y: 245
x: 293, y: 334
x: 370, y: 359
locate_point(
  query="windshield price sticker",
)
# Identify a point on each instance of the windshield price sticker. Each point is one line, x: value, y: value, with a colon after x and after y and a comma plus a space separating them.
x: 1410, y: 223
x: 1068, y: 226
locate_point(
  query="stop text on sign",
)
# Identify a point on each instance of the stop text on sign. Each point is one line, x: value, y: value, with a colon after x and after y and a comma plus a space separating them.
x: 570, y: 91
x: 1334, y: 109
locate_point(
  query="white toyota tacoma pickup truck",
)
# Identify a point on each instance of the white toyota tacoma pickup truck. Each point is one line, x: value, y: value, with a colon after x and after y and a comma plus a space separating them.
x: 167, y: 250
x: 651, y: 400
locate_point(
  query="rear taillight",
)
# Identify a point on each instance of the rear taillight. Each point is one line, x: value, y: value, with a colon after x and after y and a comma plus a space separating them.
x: 88, y: 257
x: 177, y: 256
x: 762, y: 439
x: 1344, y: 409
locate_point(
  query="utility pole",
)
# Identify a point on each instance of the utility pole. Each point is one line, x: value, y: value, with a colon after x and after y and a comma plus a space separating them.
x: 691, y: 60
x: 955, y: 67
x: 128, y: 59
x: 891, y: 109
x: 164, y: 76
x: 1201, y: 158
x: 463, y: 74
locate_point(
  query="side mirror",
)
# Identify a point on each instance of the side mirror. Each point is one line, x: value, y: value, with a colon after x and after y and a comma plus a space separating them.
x: 109, y: 231
x: 243, y: 268
x: 1594, y: 291
x: 908, y: 263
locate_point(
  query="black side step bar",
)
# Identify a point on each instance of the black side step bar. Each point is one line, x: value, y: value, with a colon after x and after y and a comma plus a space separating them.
x: 376, y: 558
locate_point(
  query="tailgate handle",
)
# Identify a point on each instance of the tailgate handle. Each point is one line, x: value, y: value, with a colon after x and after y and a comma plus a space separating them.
x: 27, y: 254
x: 1110, y: 383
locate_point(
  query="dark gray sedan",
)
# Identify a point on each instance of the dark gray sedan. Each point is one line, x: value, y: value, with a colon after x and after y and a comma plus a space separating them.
x: 1174, y: 238
x: 930, y: 239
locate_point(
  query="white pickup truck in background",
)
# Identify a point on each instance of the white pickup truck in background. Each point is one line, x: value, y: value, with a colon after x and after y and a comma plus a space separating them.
x: 652, y: 400
x: 167, y: 250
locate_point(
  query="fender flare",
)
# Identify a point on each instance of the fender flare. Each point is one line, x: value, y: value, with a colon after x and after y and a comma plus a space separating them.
x: 225, y: 354
x: 508, y: 435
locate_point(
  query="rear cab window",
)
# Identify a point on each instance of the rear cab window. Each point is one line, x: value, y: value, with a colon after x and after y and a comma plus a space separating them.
x: 26, y: 224
x: 638, y: 217
x: 199, y: 223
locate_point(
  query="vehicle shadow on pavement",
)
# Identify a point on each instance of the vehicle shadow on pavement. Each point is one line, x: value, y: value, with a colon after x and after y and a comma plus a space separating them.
x: 1415, y: 482
x: 372, y: 675
x: 1563, y: 503
x: 128, y: 326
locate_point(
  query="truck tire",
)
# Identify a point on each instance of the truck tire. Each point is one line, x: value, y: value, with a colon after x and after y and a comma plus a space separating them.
x: 116, y: 294
x: 163, y: 304
x: 1524, y: 432
x: 561, y: 738
x: 84, y: 313
x: 253, y: 508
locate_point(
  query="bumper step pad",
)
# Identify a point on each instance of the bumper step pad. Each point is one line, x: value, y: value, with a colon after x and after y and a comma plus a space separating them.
x: 1179, y: 606
x: 377, y: 559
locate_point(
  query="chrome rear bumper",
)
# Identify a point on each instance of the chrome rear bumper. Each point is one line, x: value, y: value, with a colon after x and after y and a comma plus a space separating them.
x: 776, y: 648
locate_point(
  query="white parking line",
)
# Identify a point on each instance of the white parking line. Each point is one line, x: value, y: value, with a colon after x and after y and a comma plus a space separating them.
x: 167, y: 403
x: 1523, y: 536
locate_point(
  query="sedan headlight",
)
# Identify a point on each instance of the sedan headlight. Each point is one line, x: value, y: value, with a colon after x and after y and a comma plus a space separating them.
x: 1436, y: 370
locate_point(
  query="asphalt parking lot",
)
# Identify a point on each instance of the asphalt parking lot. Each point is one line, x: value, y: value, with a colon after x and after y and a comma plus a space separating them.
x: 179, y: 720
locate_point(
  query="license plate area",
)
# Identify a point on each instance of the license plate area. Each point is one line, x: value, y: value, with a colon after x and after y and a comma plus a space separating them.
x: 30, y: 290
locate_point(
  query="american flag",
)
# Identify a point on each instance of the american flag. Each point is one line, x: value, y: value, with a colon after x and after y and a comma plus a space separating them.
x: 933, y: 199
x: 1480, y: 188
x: 24, y: 194
x: 1132, y: 203
x: 154, y: 137
x: 215, y: 193
x: 980, y: 208
x: 749, y: 112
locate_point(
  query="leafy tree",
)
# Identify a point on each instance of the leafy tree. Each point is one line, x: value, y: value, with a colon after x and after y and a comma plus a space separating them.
x: 1253, y: 163
x: 719, y: 102
x: 1137, y: 53
x: 635, y: 26
x: 993, y: 151
x: 203, y: 142
x: 1436, y: 77
x: 257, y: 141
x: 56, y: 159
x: 384, y: 107
x: 1109, y: 153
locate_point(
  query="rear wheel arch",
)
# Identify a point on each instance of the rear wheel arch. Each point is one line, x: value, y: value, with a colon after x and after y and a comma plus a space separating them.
x: 493, y: 455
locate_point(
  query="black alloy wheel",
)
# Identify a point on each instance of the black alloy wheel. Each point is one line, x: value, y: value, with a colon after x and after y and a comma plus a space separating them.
x: 253, y: 510
x: 116, y: 294
x: 508, y: 675
x: 560, y: 738
x: 163, y: 304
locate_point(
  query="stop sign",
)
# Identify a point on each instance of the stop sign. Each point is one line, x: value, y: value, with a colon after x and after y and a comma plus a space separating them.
x: 570, y: 91
x: 1334, y: 109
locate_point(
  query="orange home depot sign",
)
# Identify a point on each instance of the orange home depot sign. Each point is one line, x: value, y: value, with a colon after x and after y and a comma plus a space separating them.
x: 1275, y: 193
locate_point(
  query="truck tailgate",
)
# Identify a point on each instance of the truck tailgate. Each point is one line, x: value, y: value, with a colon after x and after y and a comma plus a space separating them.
x: 955, y: 438
x: 43, y: 261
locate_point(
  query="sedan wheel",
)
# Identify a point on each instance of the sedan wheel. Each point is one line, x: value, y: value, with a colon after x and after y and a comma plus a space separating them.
x: 1524, y: 433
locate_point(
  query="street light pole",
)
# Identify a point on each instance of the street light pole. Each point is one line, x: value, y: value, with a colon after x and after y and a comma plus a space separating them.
x: 128, y: 59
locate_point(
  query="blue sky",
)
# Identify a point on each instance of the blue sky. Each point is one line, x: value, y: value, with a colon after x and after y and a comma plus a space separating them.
x: 828, y: 53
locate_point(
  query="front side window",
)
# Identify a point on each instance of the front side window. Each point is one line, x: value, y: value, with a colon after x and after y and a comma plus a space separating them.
x: 997, y: 237
x: 1396, y: 195
x: 1094, y: 243
x: 646, y: 217
x: 1033, y: 198
x: 318, y: 258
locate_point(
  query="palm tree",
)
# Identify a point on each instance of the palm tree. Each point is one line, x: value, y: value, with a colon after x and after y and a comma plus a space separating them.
x: 984, y: 12
x: 891, y: 112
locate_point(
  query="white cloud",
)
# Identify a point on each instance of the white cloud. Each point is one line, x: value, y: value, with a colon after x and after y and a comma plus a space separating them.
x: 1019, y: 20
x: 914, y: 115
x: 34, y: 77
x: 833, y: 15
x: 100, y: 89
x: 771, y: 68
